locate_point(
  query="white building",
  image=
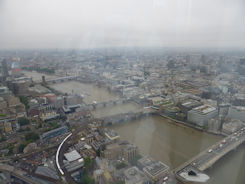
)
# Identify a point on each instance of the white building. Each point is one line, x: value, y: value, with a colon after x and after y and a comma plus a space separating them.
x: 73, y: 161
x: 200, y: 115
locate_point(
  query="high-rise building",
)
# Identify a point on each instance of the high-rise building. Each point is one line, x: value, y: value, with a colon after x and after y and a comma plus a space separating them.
x: 43, y: 79
x: 129, y: 152
x: 4, y: 69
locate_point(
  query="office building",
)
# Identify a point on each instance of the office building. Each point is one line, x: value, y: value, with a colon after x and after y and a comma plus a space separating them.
x: 153, y: 169
x: 73, y: 161
x: 19, y: 87
x: 188, y: 104
x: 134, y: 176
x: 112, y: 135
x: 112, y: 151
x: 123, y: 150
x: 200, y: 115
x: 214, y: 124
x: 43, y: 79
x: 47, y: 136
x: 129, y: 151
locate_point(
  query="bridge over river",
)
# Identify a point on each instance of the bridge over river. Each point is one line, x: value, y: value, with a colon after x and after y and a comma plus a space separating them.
x: 96, y: 105
x: 125, y: 117
x: 59, y: 79
x: 210, y: 156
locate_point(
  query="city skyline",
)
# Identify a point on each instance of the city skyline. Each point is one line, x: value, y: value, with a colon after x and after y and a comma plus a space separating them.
x: 122, y: 92
x: 109, y: 112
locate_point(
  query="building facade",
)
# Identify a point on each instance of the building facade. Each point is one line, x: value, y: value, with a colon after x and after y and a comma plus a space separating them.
x: 200, y: 115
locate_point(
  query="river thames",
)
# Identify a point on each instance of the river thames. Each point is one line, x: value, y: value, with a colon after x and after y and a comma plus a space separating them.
x: 161, y: 138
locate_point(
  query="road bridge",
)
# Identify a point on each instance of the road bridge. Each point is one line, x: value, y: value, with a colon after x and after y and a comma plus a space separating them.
x: 210, y: 156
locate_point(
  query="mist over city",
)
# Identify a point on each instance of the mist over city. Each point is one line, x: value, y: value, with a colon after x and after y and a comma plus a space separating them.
x: 92, y: 24
x: 122, y: 92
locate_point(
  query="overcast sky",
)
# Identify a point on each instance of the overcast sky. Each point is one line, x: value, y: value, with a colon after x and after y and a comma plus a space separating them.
x: 108, y: 23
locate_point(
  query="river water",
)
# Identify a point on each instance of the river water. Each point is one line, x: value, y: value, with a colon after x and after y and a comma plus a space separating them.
x: 91, y: 92
x: 230, y: 169
x: 164, y: 140
x: 36, y: 76
x: 174, y: 144
x: 117, y: 109
x: 161, y: 138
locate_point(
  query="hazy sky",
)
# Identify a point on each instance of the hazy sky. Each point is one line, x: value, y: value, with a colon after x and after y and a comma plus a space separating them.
x: 100, y: 23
